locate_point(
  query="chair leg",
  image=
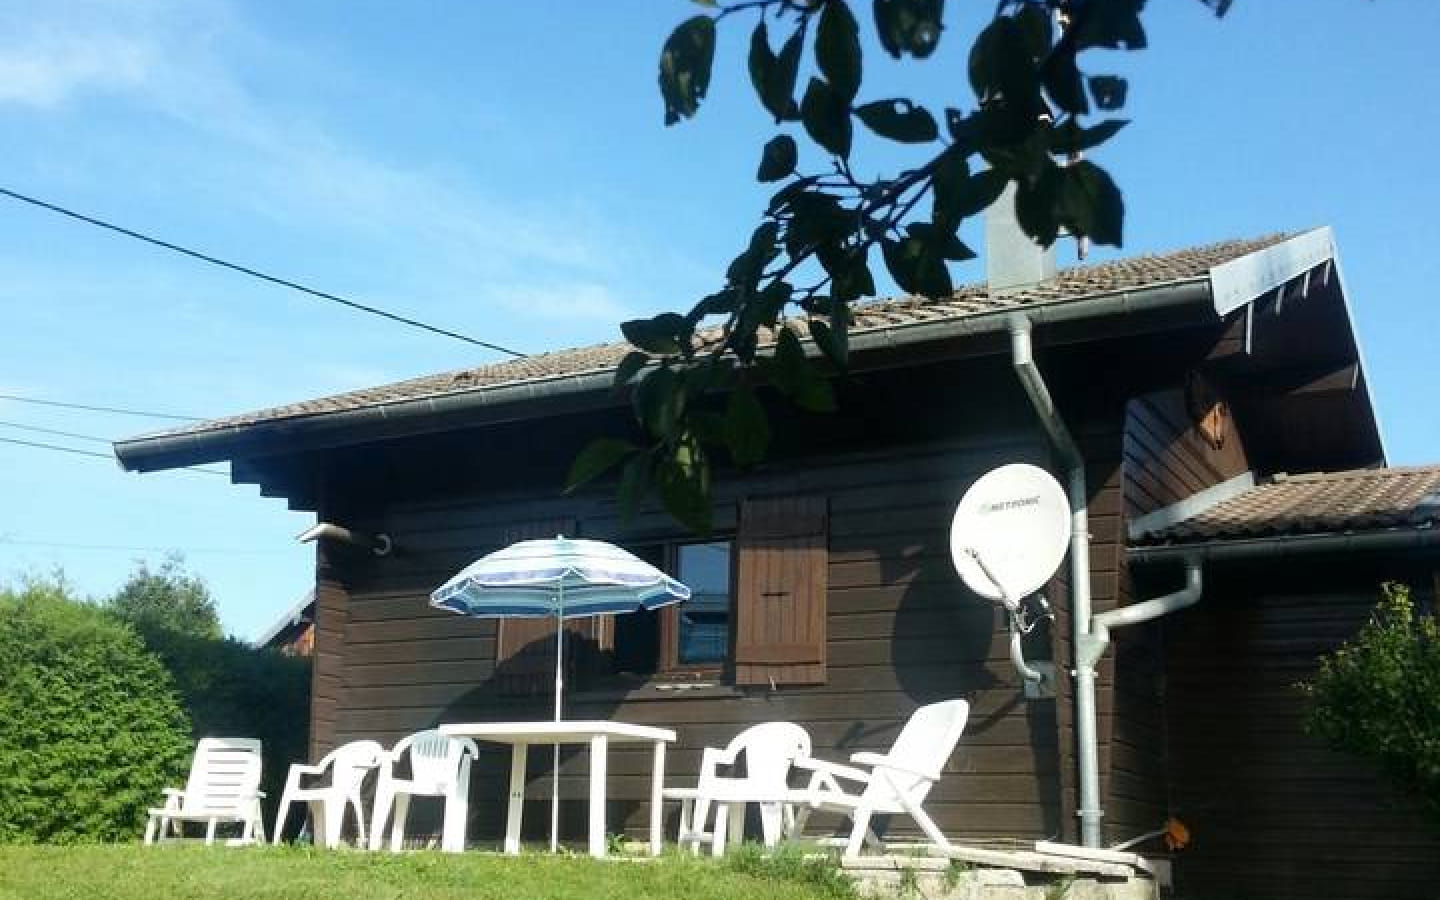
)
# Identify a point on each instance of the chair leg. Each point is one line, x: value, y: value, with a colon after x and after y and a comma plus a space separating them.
x: 359, y: 808
x: 722, y: 822
x: 860, y: 827
x: 397, y: 827
x: 799, y: 816
x: 281, y: 812
x: 927, y: 825
x: 771, y: 823
x: 150, y: 830
x: 452, y: 836
x: 737, y: 825
x: 210, y: 832
x: 384, y: 800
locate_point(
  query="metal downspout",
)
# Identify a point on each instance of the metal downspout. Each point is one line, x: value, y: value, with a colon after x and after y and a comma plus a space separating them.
x: 1090, y: 652
x: 1023, y: 360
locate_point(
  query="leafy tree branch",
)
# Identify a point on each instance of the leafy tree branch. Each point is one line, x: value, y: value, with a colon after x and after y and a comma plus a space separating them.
x: 1031, y: 117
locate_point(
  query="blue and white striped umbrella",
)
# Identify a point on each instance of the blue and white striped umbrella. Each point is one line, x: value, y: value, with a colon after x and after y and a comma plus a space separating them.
x: 564, y: 577
x: 561, y: 577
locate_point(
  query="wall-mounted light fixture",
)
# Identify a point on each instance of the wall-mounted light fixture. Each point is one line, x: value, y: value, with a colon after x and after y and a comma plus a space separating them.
x: 378, y: 544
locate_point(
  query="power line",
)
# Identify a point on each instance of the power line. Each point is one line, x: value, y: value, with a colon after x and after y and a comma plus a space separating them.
x: 105, y: 409
x: 106, y: 456
x: 256, y: 273
x: 69, y: 434
x: 130, y: 549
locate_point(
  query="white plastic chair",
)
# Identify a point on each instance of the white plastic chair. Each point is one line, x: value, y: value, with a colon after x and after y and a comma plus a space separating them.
x: 896, y: 782
x: 769, y: 750
x: 439, y: 767
x: 347, y: 767
x: 223, y: 786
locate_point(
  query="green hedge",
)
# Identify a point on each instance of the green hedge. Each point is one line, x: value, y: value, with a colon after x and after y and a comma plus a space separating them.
x: 231, y: 689
x: 91, y: 728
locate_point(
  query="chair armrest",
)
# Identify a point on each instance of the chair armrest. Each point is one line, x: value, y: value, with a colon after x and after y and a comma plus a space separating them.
x: 304, y: 769
x: 835, y: 770
x: 881, y: 761
x: 174, y: 798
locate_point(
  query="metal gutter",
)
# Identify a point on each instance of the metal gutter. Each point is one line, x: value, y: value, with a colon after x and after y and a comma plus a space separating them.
x: 541, y: 396
x: 1023, y: 360
x: 1289, y: 545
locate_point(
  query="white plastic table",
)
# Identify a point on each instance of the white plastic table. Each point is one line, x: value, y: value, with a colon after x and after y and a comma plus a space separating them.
x: 599, y: 735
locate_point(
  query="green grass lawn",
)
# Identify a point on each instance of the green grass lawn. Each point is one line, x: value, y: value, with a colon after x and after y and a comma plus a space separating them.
x: 130, y: 872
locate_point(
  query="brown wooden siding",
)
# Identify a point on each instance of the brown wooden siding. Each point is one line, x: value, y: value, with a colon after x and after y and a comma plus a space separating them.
x: 1273, y: 813
x: 901, y: 631
x: 1167, y: 458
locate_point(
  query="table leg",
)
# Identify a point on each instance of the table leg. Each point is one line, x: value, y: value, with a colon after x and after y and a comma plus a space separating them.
x: 599, y: 746
x: 518, y: 754
x: 657, y: 784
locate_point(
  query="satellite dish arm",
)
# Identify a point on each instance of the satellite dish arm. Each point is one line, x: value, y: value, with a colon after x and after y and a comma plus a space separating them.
x: 1012, y: 611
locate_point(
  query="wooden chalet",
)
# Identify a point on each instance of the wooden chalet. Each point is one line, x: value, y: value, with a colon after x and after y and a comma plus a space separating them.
x: 1202, y: 388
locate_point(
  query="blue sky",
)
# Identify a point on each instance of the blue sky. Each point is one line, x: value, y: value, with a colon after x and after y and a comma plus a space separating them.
x: 501, y: 169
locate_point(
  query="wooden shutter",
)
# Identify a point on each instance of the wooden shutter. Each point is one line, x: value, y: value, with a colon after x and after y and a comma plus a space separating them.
x: 780, y: 587
x: 525, y: 648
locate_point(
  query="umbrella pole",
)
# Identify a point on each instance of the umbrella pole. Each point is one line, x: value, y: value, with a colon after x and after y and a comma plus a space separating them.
x: 559, y: 686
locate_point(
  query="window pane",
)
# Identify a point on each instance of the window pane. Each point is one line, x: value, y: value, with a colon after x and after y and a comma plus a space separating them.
x: 705, y: 617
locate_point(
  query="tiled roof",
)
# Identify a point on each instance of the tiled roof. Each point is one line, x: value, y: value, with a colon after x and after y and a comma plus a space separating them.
x: 1322, y: 503
x: 1069, y: 285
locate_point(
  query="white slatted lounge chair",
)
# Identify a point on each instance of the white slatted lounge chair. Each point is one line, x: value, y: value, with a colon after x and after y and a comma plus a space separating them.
x: 769, y: 750
x: 224, y: 786
x: 439, y: 767
x: 892, y: 783
x: 346, y: 766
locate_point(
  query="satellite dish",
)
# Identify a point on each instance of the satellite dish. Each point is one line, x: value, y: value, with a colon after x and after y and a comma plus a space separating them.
x: 1016, y: 520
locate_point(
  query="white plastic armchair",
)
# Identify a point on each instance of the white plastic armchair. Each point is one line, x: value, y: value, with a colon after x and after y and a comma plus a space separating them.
x: 891, y: 783
x: 223, y: 786
x: 439, y: 767
x: 769, y: 750
x: 346, y: 766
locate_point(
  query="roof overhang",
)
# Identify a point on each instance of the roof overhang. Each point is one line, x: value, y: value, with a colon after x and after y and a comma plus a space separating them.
x: 1378, y: 540
x: 1204, y: 298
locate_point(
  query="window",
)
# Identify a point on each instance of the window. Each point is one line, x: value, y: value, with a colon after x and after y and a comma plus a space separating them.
x: 703, y: 621
x: 694, y: 635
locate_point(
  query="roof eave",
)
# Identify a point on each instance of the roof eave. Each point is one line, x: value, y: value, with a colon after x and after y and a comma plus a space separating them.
x: 542, y: 397
x: 1272, y: 546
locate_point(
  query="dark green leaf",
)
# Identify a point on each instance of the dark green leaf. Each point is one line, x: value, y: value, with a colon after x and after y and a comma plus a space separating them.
x: 918, y: 266
x: 909, y: 26
x: 630, y: 366
x: 796, y: 377
x: 849, y: 272
x: 833, y: 339
x: 1069, y: 137
x: 774, y: 77
x: 634, y: 480
x: 1090, y: 204
x: 1110, y: 23
x: 1064, y: 83
x: 745, y: 269
x: 1221, y: 7
x: 942, y: 239
x: 816, y: 218
x: 899, y: 120
x: 682, y: 476
x: 1036, y: 28
x: 599, y: 456
x: 778, y: 159
x: 1109, y: 91
x: 685, y: 64
x: 837, y: 49
x: 1037, y: 205
x: 747, y: 429
x: 827, y: 118
x: 959, y: 194
x: 659, y: 401
x: 662, y: 335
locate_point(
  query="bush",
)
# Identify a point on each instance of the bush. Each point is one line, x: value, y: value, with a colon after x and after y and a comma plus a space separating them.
x: 1378, y: 697
x: 229, y: 688
x: 90, y: 726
